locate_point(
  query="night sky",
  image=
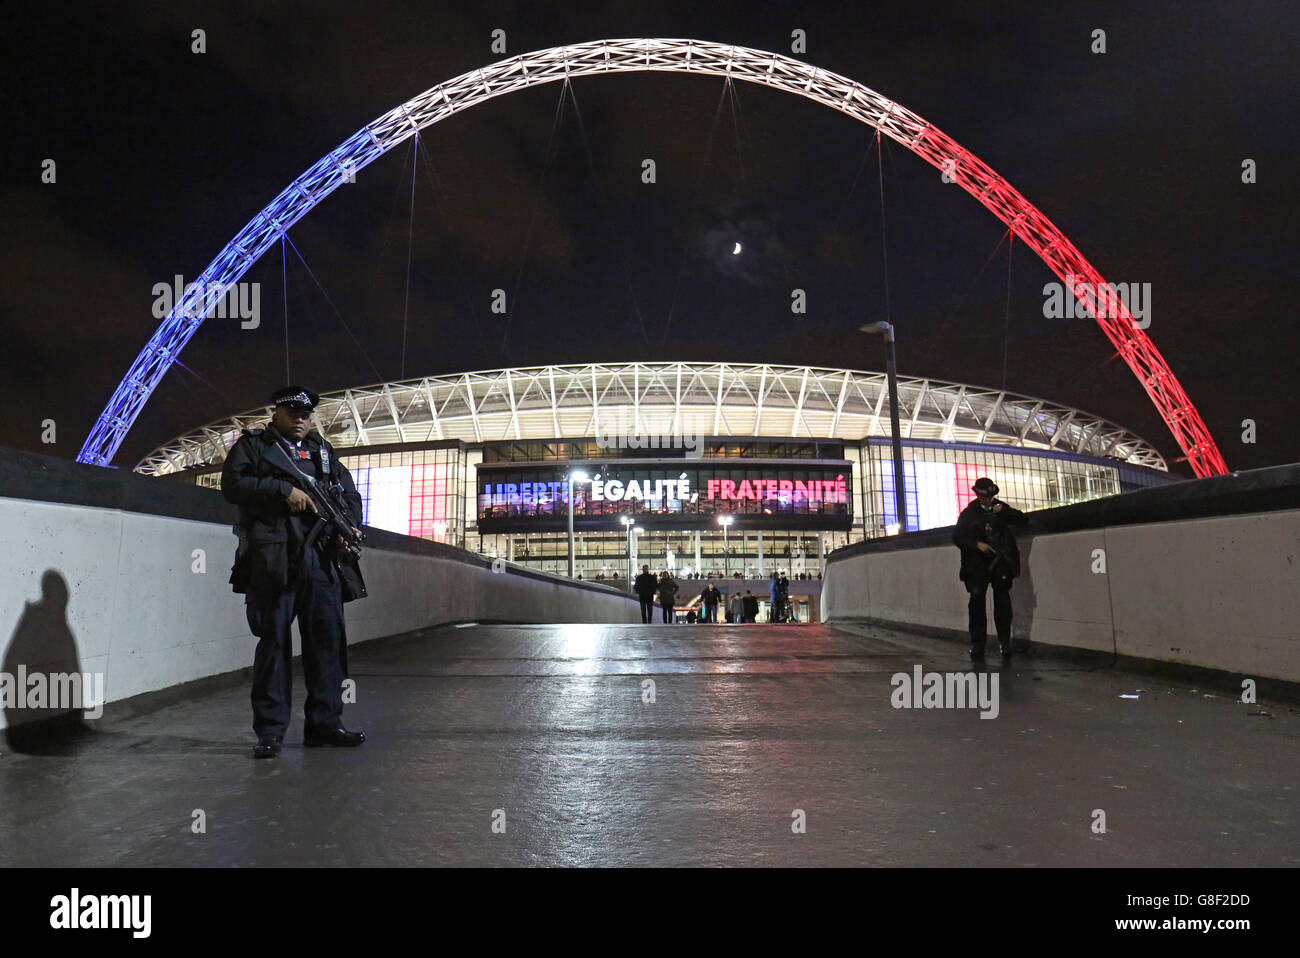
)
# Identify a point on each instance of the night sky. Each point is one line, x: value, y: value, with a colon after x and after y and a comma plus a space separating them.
x: 163, y: 155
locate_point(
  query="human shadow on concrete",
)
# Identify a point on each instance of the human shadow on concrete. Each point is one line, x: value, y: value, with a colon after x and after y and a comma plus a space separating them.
x: 37, y: 722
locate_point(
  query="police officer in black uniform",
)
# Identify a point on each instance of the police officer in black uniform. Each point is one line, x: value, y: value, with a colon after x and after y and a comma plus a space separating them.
x: 287, y: 573
x: 989, y: 556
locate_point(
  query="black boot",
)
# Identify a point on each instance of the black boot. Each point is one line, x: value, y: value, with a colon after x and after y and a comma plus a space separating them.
x: 338, y: 737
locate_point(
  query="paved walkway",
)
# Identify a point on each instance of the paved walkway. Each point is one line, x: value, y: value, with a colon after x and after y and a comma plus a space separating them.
x: 545, y: 728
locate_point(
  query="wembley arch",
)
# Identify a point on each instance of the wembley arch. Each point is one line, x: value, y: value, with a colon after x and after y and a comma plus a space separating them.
x: 675, y: 56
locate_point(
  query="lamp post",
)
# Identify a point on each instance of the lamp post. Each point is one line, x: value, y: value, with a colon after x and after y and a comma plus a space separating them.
x: 636, y: 531
x: 628, y: 523
x: 569, y: 480
x: 891, y: 374
x: 725, y: 522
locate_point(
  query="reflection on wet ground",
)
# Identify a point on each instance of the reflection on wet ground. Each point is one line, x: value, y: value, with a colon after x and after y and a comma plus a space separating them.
x: 677, y: 745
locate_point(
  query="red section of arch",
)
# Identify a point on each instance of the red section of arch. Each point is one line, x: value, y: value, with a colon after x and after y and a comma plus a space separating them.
x: 1082, y: 280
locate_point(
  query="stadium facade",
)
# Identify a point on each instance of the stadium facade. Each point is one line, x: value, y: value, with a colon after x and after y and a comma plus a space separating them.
x: 799, y: 458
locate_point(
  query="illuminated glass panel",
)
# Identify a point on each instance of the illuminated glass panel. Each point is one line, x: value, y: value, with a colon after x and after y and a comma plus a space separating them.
x: 362, y: 479
x: 390, y: 498
x: 909, y: 494
x: 966, y: 475
x: 428, y: 499
x: 934, y: 493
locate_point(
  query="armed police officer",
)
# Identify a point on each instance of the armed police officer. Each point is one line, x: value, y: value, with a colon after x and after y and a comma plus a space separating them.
x: 292, y: 563
x: 989, y: 557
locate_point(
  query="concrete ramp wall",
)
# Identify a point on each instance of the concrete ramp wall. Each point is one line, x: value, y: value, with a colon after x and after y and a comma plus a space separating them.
x: 1212, y: 581
x: 105, y: 571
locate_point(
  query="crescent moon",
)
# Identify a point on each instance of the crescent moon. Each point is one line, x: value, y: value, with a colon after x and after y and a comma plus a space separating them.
x: 736, y: 251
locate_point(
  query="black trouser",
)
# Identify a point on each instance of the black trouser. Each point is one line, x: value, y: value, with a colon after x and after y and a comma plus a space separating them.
x: 1001, y: 611
x: 711, y: 612
x: 647, y: 609
x: 317, y: 603
x: 668, y: 612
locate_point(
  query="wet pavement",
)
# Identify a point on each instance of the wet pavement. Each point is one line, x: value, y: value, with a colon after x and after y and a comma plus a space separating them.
x: 538, y: 745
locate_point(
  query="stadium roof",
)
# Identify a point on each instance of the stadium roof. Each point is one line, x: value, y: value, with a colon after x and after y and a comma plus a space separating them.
x: 706, y: 399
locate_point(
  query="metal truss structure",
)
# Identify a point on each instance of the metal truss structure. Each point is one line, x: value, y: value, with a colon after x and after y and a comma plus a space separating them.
x: 684, y: 399
x: 678, y: 56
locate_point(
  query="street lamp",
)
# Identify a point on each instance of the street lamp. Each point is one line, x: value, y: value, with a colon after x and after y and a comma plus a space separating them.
x: 570, y: 478
x: 725, y: 522
x: 628, y: 523
x: 636, y: 531
x: 891, y: 374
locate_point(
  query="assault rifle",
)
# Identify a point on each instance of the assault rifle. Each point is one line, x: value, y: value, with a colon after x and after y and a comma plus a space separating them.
x: 331, y: 510
x: 998, y: 556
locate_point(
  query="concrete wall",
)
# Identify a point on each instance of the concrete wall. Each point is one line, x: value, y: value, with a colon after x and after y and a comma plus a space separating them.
x: 1214, y: 591
x: 143, y: 597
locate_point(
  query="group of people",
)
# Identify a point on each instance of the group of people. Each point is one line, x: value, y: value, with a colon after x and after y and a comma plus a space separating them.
x: 650, y: 588
x: 601, y: 577
x: 741, y: 575
x: 736, y: 608
x: 778, y: 591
